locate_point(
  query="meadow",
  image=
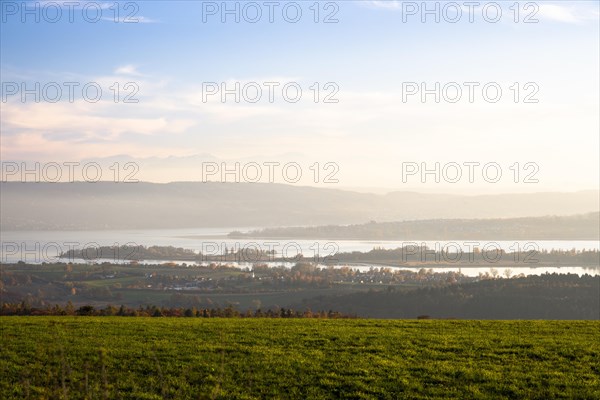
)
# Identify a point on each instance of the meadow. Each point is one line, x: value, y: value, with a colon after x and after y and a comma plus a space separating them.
x: 237, y: 358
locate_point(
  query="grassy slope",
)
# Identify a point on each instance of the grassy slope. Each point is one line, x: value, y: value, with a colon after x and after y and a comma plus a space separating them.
x: 144, y: 358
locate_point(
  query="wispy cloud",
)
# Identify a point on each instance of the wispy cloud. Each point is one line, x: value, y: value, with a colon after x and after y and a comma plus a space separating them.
x: 385, y: 4
x: 132, y: 20
x: 145, y: 20
x: 45, y: 129
x: 574, y: 14
x: 128, y: 69
x: 557, y: 13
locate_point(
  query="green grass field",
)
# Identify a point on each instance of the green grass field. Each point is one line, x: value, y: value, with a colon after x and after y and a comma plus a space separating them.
x: 191, y: 358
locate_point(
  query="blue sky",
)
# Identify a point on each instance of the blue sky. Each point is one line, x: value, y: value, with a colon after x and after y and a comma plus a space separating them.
x: 369, y: 54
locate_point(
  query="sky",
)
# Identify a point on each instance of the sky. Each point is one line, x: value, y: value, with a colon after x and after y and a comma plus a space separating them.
x: 377, y: 93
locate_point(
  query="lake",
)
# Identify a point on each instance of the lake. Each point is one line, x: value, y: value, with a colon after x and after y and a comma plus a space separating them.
x: 44, y: 246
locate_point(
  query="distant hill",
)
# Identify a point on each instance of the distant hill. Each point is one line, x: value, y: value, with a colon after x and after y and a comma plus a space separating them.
x: 576, y: 227
x: 107, y: 205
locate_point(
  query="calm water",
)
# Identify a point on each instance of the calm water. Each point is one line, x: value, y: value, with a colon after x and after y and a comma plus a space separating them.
x: 44, y: 246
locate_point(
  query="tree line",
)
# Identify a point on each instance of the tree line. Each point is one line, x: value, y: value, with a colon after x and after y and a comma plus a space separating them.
x: 547, y: 296
x: 409, y: 252
x: 24, y: 309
